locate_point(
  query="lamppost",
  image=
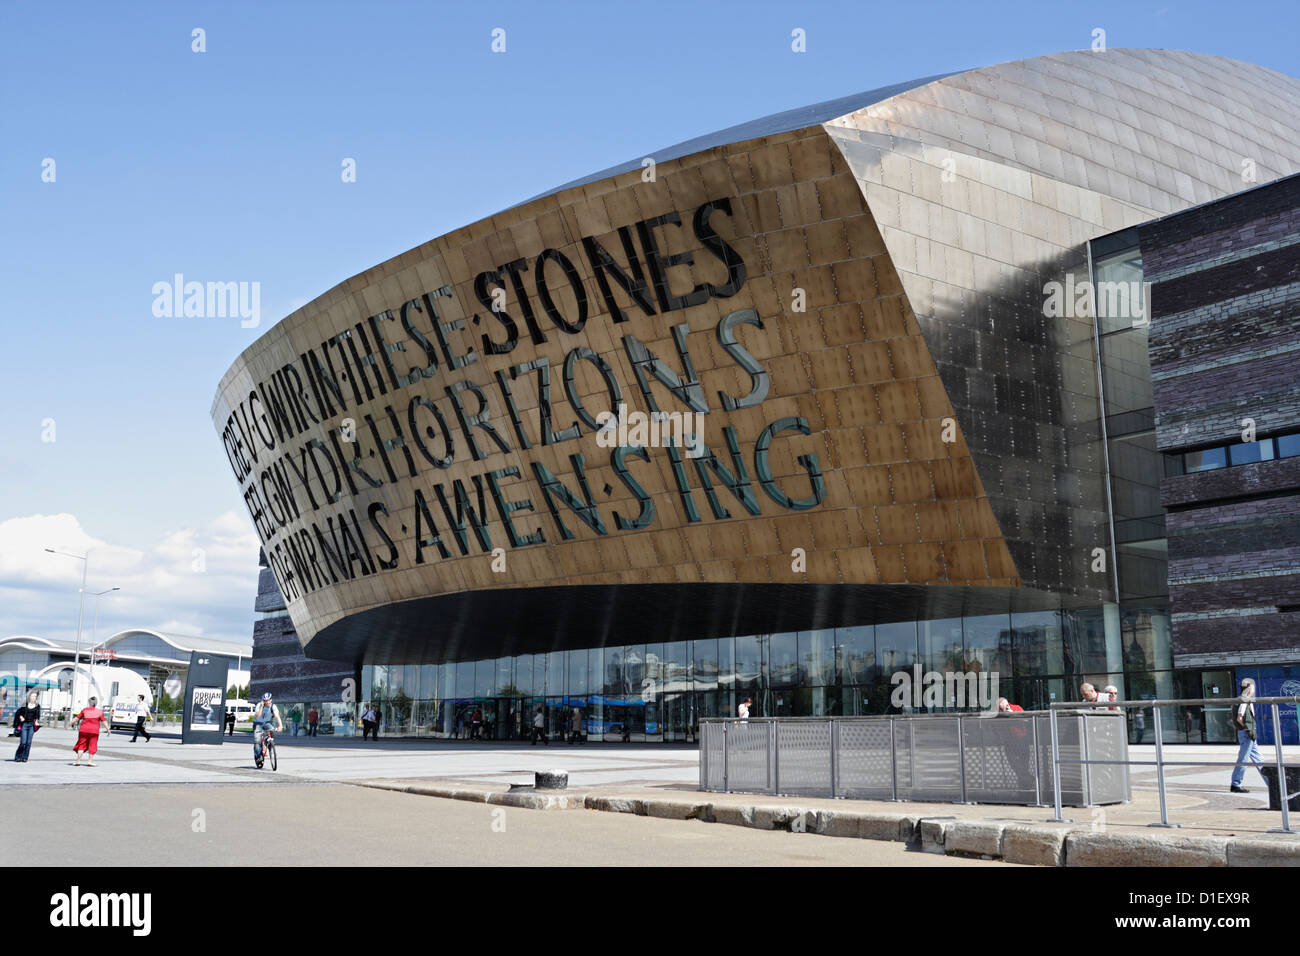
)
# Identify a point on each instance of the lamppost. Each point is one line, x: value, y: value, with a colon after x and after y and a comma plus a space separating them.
x: 81, y: 608
x: 94, y: 627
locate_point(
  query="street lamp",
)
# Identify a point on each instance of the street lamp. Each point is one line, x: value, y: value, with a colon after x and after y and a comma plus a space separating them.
x: 94, y: 627
x: 81, y: 608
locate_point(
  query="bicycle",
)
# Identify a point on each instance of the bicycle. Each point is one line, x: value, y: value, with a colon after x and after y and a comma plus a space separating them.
x: 268, y: 749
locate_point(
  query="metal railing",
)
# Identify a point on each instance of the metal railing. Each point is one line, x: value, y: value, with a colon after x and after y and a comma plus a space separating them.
x: 956, y: 758
x: 1160, y: 763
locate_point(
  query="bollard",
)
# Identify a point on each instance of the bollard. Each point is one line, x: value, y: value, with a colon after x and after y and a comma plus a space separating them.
x: 552, y: 779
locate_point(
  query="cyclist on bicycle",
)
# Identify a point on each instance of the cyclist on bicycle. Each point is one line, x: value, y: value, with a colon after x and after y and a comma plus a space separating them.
x: 263, y: 714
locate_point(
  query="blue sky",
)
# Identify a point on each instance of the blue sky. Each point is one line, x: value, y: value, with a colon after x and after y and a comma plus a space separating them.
x: 225, y: 166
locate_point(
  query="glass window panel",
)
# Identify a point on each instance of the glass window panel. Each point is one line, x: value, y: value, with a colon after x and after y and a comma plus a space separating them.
x: 705, y: 655
x: 677, y: 667
x: 367, y: 681
x: 596, y: 670
x: 464, y: 679
x: 941, y: 645
x: 1247, y: 452
x: 1120, y: 293
x: 427, y: 685
x: 988, y: 642
x: 817, y: 657
x: 895, y: 648
x: 504, y: 683
x: 749, y: 663
x: 1206, y: 460
x: 1288, y: 446
x: 855, y: 650
x: 1036, y: 643
x: 1126, y: 371
x: 614, y: 671
x: 555, y: 678
x: 379, y: 689
x: 484, y: 674
x: 524, y: 674
x: 578, y: 673
x: 634, y: 669
x: 654, y: 662
x: 1085, y: 647
x: 726, y: 662
x: 785, y: 659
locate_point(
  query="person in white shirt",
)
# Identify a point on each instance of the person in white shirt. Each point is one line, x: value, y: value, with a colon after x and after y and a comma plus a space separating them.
x: 141, y: 715
x: 539, y: 728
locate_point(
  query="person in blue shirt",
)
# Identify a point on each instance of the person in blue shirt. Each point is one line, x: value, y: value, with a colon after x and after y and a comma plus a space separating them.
x: 263, y: 714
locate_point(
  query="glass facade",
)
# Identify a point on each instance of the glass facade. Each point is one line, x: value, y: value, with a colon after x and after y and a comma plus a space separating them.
x: 658, y: 692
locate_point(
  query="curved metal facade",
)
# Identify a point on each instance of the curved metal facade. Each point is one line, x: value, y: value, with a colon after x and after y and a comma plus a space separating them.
x: 853, y: 310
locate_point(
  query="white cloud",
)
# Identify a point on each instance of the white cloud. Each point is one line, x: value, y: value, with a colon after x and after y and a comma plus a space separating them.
x: 192, y: 580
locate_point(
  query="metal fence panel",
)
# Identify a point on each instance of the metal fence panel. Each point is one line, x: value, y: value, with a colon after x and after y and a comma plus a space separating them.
x: 936, y: 769
x: 803, y: 749
x: 999, y: 760
x: 748, y: 756
x: 979, y: 758
x: 1107, y: 740
x: 864, y: 765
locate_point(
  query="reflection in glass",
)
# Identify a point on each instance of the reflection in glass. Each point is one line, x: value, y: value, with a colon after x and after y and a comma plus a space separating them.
x: 749, y: 663
x: 1036, y: 643
x: 817, y: 658
x: 988, y: 645
x: 856, y: 650
x: 895, y: 648
x: 941, y: 646
x: 784, y: 659
x: 1207, y: 460
x: 706, y: 664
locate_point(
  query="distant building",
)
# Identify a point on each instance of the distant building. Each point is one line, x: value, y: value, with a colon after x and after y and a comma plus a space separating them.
x: 152, y: 654
x: 279, y: 665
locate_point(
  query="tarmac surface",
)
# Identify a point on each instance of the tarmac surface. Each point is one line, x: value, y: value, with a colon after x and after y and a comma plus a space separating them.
x: 334, y: 798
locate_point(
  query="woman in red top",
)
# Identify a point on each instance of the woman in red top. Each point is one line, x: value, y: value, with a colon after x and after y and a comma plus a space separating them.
x: 88, y: 719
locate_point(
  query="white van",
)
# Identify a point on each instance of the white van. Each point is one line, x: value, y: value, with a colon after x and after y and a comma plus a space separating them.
x: 243, y: 711
x: 124, y: 713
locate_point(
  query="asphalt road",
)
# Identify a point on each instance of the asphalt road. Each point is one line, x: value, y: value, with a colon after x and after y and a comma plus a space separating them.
x: 296, y: 823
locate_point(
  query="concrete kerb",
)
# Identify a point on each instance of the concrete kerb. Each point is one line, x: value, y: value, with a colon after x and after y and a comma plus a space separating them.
x: 1031, y: 843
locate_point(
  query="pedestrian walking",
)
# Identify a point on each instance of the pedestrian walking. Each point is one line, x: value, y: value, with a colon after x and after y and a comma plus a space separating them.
x: 369, y: 723
x: 476, y: 722
x: 230, y: 722
x: 88, y: 720
x: 141, y: 715
x: 1246, y: 750
x: 313, y: 719
x: 575, y: 726
x: 743, y: 710
x: 27, y: 720
x: 539, y: 728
